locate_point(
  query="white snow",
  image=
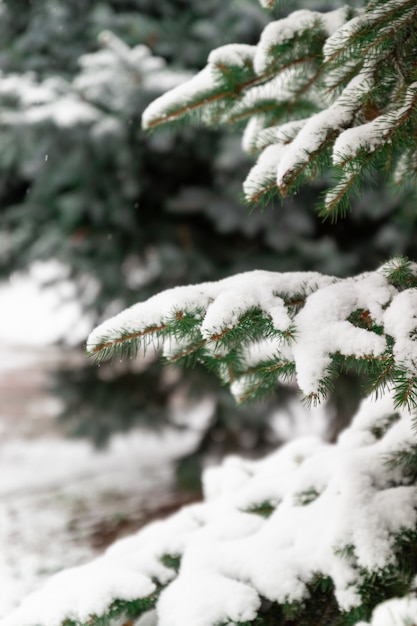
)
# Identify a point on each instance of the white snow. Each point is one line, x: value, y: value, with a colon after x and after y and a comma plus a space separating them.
x: 321, y: 126
x: 53, y: 492
x: 251, y: 132
x: 321, y: 327
x: 374, y: 134
x: 326, y: 497
x: 67, y: 111
x: 181, y: 96
x: 343, y: 35
x: 263, y: 174
x: 333, y: 20
x: 279, y: 134
x: 54, y: 313
x: 394, y: 612
x: 200, y: 87
x: 221, y: 310
x: 28, y: 92
x: 49, y: 483
x: 51, y: 100
x: 116, y: 74
x: 294, y: 25
x: 233, y: 54
x: 400, y: 321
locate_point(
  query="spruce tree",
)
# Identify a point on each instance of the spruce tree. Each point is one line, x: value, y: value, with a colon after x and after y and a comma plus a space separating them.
x: 316, y: 533
x: 86, y: 189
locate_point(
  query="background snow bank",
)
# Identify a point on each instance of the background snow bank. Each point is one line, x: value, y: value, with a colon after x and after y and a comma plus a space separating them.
x: 37, y: 315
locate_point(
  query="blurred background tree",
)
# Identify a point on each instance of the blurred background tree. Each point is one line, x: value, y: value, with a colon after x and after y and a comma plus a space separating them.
x: 129, y: 214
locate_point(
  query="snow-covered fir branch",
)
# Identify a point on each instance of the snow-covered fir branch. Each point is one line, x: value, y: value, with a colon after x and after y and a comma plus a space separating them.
x: 344, y: 79
x: 256, y: 328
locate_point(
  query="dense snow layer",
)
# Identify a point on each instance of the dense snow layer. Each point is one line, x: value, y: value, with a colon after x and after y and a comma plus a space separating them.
x: 223, y: 303
x: 293, y: 26
x: 321, y: 328
x: 326, y: 498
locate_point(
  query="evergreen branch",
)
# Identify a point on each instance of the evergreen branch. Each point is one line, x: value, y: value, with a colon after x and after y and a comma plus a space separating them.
x: 208, y: 99
x: 304, y: 88
x: 338, y: 194
x: 370, y: 151
x: 343, y: 80
x: 276, y: 68
x: 388, y: 35
x: 125, y: 610
x: 387, y: 17
x: 404, y: 459
x: 186, y: 109
x: 405, y: 390
x: 106, y: 344
x: 187, y: 352
x: 382, y: 377
x: 264, y: 509
x: 257, y: 108
x: 266, y: 191
x: 295, y: 174
x: 286, y: 367
x: 262, y: 380
x: 400, y: 272
x: 272, y: 111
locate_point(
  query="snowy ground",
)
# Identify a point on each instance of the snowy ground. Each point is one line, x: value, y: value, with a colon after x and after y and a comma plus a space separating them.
x: 61, y: 503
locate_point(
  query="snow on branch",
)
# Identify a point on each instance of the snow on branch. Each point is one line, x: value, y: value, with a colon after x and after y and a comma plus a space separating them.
x: 314, y: 522
x: 345, y: 77
x: 358, y: 147
x: 278, y: 36
x: 256, y: 328
x: 229, y: 71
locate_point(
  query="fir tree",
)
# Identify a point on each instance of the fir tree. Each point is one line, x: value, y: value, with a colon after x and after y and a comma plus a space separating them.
x: 315, y: 533
x: 85, y: 189
x: 97, y: 205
